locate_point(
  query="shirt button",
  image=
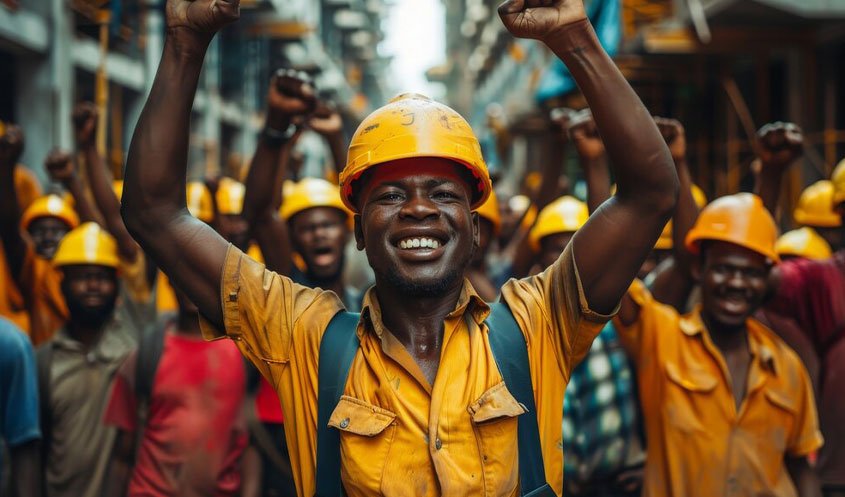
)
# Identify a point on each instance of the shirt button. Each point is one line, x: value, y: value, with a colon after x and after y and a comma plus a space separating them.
x: 344, y: 423
x: 438, y: 444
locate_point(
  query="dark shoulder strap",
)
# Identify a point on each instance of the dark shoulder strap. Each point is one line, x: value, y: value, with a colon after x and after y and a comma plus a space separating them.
x: 150, y: 348
x: 511, y: 353
x: 337, y: 350
x: 44, y: 365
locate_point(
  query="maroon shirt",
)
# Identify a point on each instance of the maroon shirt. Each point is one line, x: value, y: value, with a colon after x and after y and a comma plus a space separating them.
x: 813, y: 294
x: 195, y: 433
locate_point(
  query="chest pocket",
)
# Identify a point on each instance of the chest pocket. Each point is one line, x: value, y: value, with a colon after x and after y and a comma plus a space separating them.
x: 688, y: 392
x: 786, y: 412
x: 494, y: 417
x: 366, y: 435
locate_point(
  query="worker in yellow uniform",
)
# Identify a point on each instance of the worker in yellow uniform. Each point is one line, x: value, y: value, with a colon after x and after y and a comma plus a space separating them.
x: 489, y: 227
x: 728, y: 406
x: 426, y: 409
x: 556, y: 225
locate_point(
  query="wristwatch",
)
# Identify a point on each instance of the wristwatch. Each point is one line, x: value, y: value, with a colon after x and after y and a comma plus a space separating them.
x: 275, y: 137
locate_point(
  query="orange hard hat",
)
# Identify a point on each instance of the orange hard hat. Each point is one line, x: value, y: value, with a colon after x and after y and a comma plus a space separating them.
x: 741, y: 219
x: 665, y: 241
x: 199, y: 201
x: 308, y: 193
x: 409, y: 126
x: 87, y: 244
x: 564, y: 215
x: 230, y: 196
x: 803, y: 242
x: 815, y: 206
x: 838, y: 179
x: 49, y: 206
x: 489, y: 210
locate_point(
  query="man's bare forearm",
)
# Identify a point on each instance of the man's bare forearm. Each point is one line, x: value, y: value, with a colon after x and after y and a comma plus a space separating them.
x: 107, y: 202
x: 10, y: 218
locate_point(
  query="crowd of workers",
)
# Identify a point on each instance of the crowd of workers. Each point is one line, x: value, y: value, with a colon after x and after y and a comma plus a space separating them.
x: 703, y: 357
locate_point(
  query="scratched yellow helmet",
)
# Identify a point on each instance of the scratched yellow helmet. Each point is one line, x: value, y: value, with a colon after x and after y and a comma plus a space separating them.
x: 815, y: 206
x: 308, y: 193
x: 489, y: 210
x: 564, y: 215
x: 230, y: 197
x: 410, y: 126
x: 665, y: 240
x: 87, y: 244
x: 49, y: 206
x: 741, y: 219
x: 803, y: 242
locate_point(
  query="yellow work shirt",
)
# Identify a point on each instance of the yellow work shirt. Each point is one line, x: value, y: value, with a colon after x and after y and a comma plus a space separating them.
x: 698, y: 444
x: 40, y: 286
x: 400, y: 435
x: 27, y: 186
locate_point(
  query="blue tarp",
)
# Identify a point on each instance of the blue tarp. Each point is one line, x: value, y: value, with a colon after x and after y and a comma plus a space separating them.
x: 606, y: 17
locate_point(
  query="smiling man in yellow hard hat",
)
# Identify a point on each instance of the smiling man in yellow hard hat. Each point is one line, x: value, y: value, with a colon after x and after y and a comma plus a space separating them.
x: 426, y: 409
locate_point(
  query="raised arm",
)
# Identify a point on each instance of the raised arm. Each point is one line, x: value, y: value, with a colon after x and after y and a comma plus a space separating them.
x: 327, y: 122
x: 289, y: 97
x: 674, y: 282
x: 781, y: 144
x: 99, y: 179
x: 62, y: 170
x: 154, y: 209
x: 591, y: 156
x: 611, y: 247
x: 11, y: 148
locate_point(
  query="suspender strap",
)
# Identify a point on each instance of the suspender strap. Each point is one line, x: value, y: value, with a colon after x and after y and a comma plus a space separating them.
x: 337, y: 350
x: 511, y: 353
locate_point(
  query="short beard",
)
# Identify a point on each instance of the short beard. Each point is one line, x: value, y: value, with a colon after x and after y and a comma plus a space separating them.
x: 413, y: 289
x: 90, y: 317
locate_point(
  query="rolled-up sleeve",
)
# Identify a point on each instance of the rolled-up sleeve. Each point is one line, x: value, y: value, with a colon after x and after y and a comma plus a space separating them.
x: 267, y: 314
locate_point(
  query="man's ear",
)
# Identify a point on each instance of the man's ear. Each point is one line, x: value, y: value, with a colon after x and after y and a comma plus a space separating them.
x: 359, y: 233
x: 476, y: 231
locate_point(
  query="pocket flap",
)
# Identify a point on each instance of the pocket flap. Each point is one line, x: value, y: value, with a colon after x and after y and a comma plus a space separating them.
x: 782, y: 400
x: 496, y: 402
x: 695, y: 380
x: 361, y: 418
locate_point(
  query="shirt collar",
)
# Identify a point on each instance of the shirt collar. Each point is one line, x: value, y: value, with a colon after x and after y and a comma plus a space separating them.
x: 692, y: 325
x: 111, y: 346
x: 468, y: 301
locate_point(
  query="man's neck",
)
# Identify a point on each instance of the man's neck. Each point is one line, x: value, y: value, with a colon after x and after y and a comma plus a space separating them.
x: 726, y: 338
x: 86, y: 334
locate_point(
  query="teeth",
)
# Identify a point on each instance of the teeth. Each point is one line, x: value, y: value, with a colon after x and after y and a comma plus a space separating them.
x: 410, y: 243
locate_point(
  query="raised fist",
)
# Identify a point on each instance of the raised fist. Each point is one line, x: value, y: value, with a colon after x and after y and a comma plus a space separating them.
x: 60, y: 166
x: 326, y: 120
x: 673, y: 133
x: 584, y: 134
x: 559, y: 121
x: 11, y: 145
x: 290, y: 98
x: 539, y: 19
x: 780, y: 144
x: 84, y: 117
x: 202, y: 16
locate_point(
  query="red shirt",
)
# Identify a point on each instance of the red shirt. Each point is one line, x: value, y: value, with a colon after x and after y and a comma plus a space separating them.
x: 268, y: 408
x: 195, y: 433
x: 813, y: 293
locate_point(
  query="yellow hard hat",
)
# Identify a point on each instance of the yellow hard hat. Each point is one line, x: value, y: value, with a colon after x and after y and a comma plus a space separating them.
x: 665, y: 241
x: 117, y: 188
x: 199, y: 201
x: 50, y: 206
x: 410, y: 126
x: 803, y: 242
x: 564, y: 215
x: 87, y: 244
x: 309, y: 193
x: 741, y: 219
x: 838, y: 179
x: 489, y: 210
x: 230, y: 196
x: 815, y: 206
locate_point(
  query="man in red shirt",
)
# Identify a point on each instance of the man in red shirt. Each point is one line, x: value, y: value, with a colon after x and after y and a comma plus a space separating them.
x: 812, y: 292
x: 195, y: 434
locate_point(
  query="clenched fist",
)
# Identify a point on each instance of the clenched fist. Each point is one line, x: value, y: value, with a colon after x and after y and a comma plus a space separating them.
x: 290, y: 98
x: 85, y: 124
x: 540, y: 19
x: 673, y: 133
x: 60, y: 166
x: 11, y: 145
x: 202, y: 16
x: 585, y: 135
x: 780, y: 144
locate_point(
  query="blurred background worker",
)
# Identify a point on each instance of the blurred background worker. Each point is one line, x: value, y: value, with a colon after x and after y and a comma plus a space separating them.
x: 76, y: 367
